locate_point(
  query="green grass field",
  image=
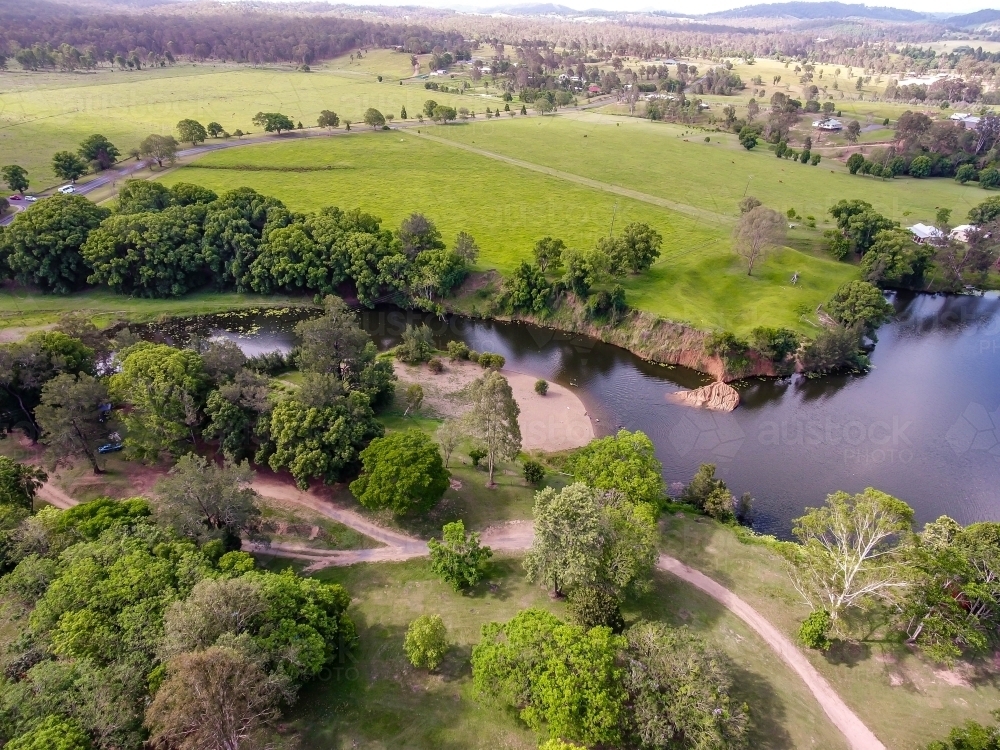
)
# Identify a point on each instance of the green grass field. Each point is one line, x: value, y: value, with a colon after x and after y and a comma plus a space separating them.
x: 675, y: 162
x: 378, y: 701
x: 904, y: 699
x: 507, y: 208
x: 41, y: 113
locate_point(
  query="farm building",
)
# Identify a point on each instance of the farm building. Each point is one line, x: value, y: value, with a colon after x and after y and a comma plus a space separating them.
x: 922, y: 233
x: 829, y: 123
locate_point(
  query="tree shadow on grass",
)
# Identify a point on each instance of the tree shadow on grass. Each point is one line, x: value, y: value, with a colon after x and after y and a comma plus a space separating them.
x: 848, y: 653
x: 767, y: 710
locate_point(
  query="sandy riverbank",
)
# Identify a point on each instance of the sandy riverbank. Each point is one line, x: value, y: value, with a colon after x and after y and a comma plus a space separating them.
x: 556, y: 421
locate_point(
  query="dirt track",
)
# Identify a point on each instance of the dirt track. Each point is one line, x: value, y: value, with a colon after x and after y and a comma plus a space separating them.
x: 517, y: 536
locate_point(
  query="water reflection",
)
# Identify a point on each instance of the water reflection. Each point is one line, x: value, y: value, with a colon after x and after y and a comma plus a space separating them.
x: 924, y: 424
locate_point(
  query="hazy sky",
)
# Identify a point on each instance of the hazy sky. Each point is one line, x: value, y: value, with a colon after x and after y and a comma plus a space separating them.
x: 680, y: 6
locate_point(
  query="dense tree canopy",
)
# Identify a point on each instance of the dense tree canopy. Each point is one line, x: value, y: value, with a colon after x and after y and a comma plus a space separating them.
x: 42, y: 246
x: 625, y: 462
x: 402, y: 472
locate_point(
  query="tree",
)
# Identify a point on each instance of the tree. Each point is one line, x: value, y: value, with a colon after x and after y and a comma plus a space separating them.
x: 548, y: 253
x: 757, y: 231
x: 71, y: 418
x: 989, y: 178
x: 679, y: 687
x: 16, y: 177
x: 52, y: 733
x: 217, y: 698
x: 403, y: 472
x: 635, y: 249
x: 458, y: 558
x: 854, y: 162
x: 99, y: 152
x: 201, y: 500
x: 594, y: 606
x: 159, y: 148
x: 429, y: 106
x: 466, y: 247
x: 214, y: 129
x: 140, y: 196
x: 150, y: 254
x: 568, y: 542
x: 426, y: 642
x: 328, y: 119
x: 965, y: 173
x: 273, y: 122
x: 318, y: 441
x: 777, y: 344
x: 449, y: 435
x: 626, y: 462
x: 164, y: 386
x: 985, y: 212
x: 191, y: 131
x: 894, y: 259
x: 443, y: 114
x: 533, y: 471
x: 373, y: 118
x: 859, y: 306
x: 543, y: 105
x: 68, y: 166
x: 748, y: 204
x: 19, y: 483
x: 815, y: 630
x: 748, y: 138
x: 525, y: 290
x: 852, y: 553
x: 414, y: 398
x: 921, y: 167
x: 43, y: 245
x: 417, y: 345
x: 852, y: 131
x: 402, y: 112
x: 556, y: 676
x: 492, y: 419
x: 417, y: 234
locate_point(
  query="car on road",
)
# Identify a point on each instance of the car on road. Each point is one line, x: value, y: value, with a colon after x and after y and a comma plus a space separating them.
x: 15, y: 198
x: 110, y: 448
x: 30, y: 199
x: 67, y: 189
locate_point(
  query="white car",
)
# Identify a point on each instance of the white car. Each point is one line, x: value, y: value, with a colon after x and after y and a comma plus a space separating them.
x: 30, y: 199
x: 67, y: 189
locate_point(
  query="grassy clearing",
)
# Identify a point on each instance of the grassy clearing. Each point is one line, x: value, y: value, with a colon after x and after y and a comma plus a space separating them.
x: 378, y: 701
x: 675, y: 162
x: 903, y: 699
x: 507, y: 208
x: 22, y: 308
x: 41, y: 113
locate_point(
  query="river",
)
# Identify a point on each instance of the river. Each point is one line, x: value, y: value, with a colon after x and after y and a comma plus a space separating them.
x: 923, y: 424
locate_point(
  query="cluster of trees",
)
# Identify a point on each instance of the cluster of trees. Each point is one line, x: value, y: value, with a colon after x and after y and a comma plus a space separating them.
x: 891, y: 258
x: 164, y: 242
x: 530, y: 288
x: 937, y: 148
x: 54, y: 39
x: 859, y: 559
x: 593, y: 681
x: 130, y: 630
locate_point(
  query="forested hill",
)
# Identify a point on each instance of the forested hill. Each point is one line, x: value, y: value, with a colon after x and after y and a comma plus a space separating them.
x: 986, y: 15
x: 809, y: 10
x: 223, y: 34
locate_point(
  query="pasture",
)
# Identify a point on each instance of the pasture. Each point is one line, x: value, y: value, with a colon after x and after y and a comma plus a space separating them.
x: 675, y: 162
x: 41, y: 113
x: 508, y: 207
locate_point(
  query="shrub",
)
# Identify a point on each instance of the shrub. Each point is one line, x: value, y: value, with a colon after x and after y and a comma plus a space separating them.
x: 491, y: 361
x: 989, y: 178
x: 593, y: 607
x: 473, y: 355
x: 417, y: 345
x: 854, y: 162
x: 458, y: 558
x: 921, y: 167
x: 426, y: 641
x: 541, y: 387
x: 815, y: 159
x: 436, y: 366
x: 815, y: 629
x: 477, y: 455
x: 458, y: 350
x: 720, y: 505
x: 965, y: 173
x: 534, y: 472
